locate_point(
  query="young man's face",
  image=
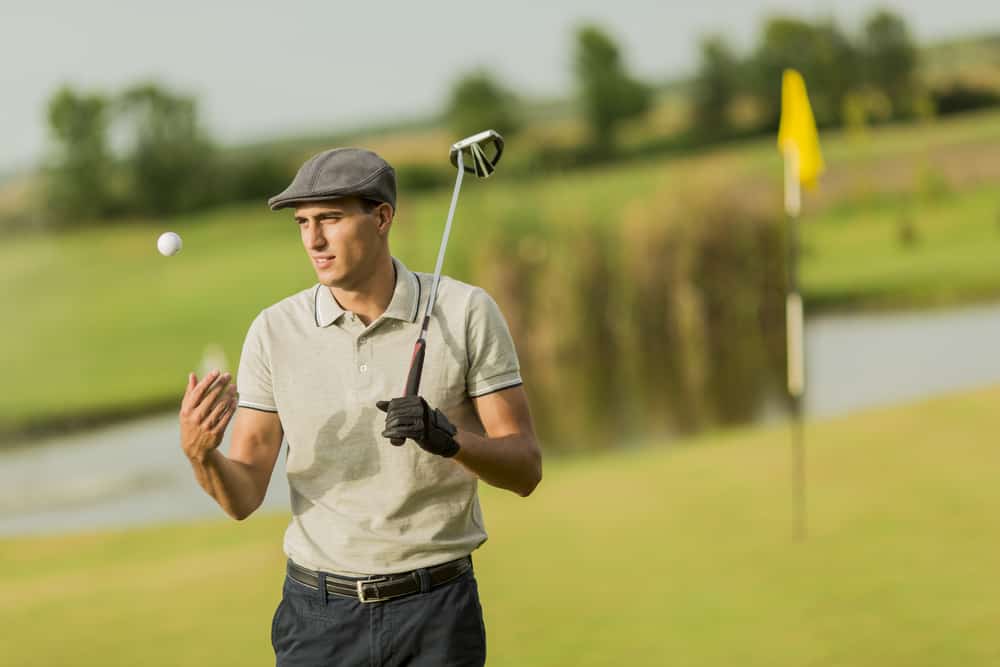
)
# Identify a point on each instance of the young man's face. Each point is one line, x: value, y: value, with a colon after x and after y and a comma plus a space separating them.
x: 343, y: 241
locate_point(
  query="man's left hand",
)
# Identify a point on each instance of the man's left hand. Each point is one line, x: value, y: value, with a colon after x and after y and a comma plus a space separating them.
x: 411, y: 417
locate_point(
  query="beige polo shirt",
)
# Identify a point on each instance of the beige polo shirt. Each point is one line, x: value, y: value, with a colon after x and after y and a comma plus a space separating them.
x: 359, y: 504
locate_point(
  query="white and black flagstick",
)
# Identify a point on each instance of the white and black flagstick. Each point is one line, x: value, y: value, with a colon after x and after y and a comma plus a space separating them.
x: 796, y: 341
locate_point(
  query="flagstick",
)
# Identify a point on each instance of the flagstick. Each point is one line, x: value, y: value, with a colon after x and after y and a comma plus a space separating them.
x: 795, y: 352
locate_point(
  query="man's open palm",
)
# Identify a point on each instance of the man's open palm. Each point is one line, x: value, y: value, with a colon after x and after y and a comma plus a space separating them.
x: 205, y: 413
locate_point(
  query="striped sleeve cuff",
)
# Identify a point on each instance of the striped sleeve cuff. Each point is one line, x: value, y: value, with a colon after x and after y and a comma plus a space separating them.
x: 495, y: 383
x: 256, y: 406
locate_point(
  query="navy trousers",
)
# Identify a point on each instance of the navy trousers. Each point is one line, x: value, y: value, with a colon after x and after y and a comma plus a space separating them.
x: 436, y: 627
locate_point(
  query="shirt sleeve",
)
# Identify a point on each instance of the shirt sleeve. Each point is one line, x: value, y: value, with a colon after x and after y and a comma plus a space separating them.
x: 253, y: 380
x: 493, y: 363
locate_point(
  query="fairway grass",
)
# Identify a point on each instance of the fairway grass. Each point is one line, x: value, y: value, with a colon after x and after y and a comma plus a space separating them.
x: 655, y: 556
x: 854, y: 257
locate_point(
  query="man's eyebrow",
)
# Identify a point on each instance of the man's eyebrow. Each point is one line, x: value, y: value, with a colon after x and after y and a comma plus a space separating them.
x: 319, y: 216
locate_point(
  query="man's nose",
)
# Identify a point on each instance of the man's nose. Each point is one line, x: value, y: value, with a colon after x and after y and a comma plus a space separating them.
x: 316, y: 239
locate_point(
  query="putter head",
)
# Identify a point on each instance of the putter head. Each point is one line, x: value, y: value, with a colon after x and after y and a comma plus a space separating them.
x: 480, y: 153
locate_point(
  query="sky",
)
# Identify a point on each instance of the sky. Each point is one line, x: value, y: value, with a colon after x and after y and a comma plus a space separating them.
x: 264, y: 70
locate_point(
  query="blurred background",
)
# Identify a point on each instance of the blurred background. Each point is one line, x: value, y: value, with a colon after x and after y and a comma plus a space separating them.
x: 635, y: 239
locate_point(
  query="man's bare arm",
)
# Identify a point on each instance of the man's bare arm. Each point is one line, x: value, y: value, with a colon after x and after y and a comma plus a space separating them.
x: 237, y: 482
x: 509, y: 456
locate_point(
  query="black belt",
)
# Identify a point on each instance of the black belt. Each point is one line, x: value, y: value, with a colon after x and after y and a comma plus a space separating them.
x: 378, y: 588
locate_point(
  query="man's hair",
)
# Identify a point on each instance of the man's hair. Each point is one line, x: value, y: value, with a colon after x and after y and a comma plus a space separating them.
x: 369, y: 205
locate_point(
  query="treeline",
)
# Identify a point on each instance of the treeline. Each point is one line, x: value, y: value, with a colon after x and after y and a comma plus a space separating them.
x: 873, y: 73
x: 872, y: 76
x: 144, y: 151
x: 167, y: 163
x: 607, y: 95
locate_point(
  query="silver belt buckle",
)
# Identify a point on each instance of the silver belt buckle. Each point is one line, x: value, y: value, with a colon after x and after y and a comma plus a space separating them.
x: 361, y: 590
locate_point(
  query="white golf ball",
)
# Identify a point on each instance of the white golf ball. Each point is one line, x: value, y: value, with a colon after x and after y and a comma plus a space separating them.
x: 169, y: 243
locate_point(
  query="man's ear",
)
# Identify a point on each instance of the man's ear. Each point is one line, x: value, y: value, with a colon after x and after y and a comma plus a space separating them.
x: 385, y: 215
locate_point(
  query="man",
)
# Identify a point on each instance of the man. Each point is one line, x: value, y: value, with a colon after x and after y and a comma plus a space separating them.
x: 379, y: 567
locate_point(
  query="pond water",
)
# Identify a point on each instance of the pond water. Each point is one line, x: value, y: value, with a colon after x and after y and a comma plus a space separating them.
x: 135, y: 473
x: 859, y: 361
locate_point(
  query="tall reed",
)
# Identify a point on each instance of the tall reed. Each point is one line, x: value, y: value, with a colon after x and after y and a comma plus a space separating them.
x: 667, y: 318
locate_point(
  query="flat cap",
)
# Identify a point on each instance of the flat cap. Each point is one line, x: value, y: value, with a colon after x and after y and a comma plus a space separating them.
x: 340, y: 172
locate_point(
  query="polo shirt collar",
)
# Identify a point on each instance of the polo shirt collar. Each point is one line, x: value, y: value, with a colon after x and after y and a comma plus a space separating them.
x: 328, y: 310
x: 403, y: 306
x: 406, y: 295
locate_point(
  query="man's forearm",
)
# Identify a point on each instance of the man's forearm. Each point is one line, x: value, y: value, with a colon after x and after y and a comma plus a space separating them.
x: 230, y: 483
x: 512, y: 462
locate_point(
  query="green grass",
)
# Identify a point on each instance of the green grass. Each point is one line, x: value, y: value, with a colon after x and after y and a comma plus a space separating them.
x: 653, y: 556
x: 99, y: 323
x: 854, y: 256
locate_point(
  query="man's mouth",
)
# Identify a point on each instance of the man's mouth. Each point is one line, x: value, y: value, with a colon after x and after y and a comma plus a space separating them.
x: 323, y: 262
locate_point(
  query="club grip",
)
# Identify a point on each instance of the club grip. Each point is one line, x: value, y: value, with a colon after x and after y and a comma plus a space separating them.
x: 413, y: 377
x: 416, y: 368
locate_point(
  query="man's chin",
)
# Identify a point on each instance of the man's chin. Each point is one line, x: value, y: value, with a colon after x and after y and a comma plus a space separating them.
x: 330, y: 278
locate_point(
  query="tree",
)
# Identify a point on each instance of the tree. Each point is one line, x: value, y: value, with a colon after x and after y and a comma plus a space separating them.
x: 890, y: 59
x: 78, y: 180
x: 609, y: 95
x: 821, y: 52
x: 171, y: 159
x: 715, y: 86
x: 479, y: 102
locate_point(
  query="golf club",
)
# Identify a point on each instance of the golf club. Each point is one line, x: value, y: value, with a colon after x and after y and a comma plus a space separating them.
x: 484, y: 151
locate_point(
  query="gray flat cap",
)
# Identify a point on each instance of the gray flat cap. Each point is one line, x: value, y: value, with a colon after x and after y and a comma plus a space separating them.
x: 340, y: 172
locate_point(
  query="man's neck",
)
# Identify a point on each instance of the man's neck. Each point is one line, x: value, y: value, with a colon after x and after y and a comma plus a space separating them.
x: 369, y: 300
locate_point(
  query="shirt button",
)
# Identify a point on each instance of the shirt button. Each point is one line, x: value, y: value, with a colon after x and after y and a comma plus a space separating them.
x: 363, y: 368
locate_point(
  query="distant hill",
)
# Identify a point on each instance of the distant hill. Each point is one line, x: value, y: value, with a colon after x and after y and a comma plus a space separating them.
x: 536, y: 111
x: 972, y: 61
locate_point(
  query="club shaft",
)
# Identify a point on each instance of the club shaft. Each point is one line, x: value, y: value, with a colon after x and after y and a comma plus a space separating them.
x: 441, y: 250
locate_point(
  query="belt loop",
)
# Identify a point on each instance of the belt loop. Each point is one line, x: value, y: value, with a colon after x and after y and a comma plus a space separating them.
x: 424, y: 577
x: 323, y: 593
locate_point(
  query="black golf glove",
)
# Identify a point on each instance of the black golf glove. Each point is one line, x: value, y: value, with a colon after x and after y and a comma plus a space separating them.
x: 411, y: 417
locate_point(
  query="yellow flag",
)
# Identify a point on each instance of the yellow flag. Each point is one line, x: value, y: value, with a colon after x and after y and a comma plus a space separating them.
x: 798, y: 129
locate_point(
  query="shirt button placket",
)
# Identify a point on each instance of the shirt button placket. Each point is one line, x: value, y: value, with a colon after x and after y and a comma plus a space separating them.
x: 362, y: 358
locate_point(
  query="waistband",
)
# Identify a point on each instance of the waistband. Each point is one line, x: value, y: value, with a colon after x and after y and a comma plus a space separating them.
x: 378, y: 588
